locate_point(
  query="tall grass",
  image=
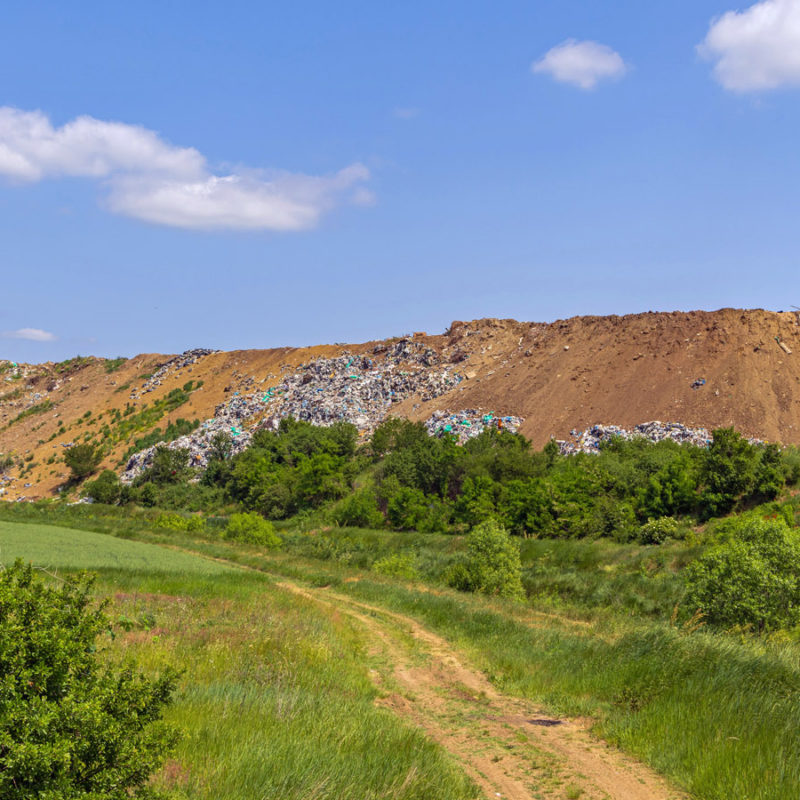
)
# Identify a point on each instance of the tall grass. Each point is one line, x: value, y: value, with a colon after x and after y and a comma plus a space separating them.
x: 719, y: 713
x: 276, y: 701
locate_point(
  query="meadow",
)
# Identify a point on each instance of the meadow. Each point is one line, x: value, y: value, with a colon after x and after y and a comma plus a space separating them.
x: 275, y: 699
x: 598, y: 637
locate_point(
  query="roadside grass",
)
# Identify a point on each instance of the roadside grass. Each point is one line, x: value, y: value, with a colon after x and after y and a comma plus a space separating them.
x: 275, y: 700
x: 719, y: 713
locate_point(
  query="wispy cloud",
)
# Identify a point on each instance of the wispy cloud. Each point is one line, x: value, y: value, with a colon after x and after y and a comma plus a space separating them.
x: 30, y: 334
x: 405, y: 112
x: 756, y: 49
x: 152, y: 180
x: 583, y: 64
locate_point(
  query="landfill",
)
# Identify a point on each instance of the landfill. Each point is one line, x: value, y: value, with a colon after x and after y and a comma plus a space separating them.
x: 358, y: 389
x: 185, y: 359
x: 469, y: 423
x: 589, y: 440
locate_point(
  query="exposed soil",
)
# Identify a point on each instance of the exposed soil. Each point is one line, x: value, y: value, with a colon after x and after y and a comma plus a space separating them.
x: 558, y: 376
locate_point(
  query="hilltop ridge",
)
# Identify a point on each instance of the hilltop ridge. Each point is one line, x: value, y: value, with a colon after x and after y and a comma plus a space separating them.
x: 703, y: 369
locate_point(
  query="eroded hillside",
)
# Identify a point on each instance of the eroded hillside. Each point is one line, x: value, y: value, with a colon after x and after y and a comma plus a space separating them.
x: 704, y: 369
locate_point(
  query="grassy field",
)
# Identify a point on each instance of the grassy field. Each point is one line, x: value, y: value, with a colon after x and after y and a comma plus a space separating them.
x: 51, y: 546
x: 718, y: 713
x: 275, y: 699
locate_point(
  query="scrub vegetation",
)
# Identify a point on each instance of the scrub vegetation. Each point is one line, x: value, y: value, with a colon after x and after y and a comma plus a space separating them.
x: 651, y: 588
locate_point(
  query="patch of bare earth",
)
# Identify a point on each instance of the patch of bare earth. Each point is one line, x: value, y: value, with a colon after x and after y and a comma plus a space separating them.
x: 508, y: 746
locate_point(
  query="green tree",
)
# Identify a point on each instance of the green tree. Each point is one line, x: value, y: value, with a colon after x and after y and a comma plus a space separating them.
x: 360, y: 509
x: 168, y: 466
x: 71, y: 728
x: 82, y: 460
x: 729, y: 471
x: 105, y: 489
x: 492, y: 564
x: 751, y: 579
x: 221, y: 447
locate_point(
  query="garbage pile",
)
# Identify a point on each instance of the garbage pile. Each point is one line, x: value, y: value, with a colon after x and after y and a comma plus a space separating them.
x: 408, y: 351
x: 469, y: 423
x: 185, y: 359
x: 589, y: 441
x: 350, y: 388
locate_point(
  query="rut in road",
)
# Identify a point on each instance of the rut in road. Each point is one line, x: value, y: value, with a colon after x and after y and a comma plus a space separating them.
x: 510, y: 748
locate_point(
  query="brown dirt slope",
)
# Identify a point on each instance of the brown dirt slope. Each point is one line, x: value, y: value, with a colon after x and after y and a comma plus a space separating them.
x: 558, y: 376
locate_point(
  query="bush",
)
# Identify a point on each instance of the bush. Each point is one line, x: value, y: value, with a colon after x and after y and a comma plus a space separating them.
x: 175, y: 522
x: 397, y: 565
x: 71, y: 728
x: 253, y: 529
x: 359, y: 510
x: 657, y: 531
x: 82, y: 460
x: 169, y: 466
x: 492, y: 565
x: 753, y: 579
x: 147, y: 495
x: 106, y: 489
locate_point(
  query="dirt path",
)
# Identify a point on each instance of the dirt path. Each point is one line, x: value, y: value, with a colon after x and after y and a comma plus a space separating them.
x: 510, y: 748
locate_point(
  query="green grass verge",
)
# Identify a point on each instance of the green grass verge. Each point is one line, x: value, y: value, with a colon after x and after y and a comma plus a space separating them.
x: 718, y: 713
x: 275, y: 701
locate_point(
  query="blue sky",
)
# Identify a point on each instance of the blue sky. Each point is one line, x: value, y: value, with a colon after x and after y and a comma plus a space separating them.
x: 177, y: 175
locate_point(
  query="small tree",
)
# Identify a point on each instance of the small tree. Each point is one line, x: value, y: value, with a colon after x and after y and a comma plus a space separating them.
x: 492, y: 565
x: 82, y: 460
x: 70, y: 728
x: 106, y: 489
x: 169, y: 465
x: 752, y: 579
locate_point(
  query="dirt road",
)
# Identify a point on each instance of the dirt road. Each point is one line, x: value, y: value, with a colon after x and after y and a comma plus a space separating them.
x: 510, y: 748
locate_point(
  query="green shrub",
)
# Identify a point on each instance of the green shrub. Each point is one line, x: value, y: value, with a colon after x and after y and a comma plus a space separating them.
x: 492, y: 564
x: 253, y: 529
x: 175, y: 522
x: 397, y: 565
x: 113, y: 364
x: 168, y: 466
x: 752, y: 579
x: 657, y: 531
x: 147, y: 495
x: 70, y: 727
x: 359, y: 510
x: 106, y: 489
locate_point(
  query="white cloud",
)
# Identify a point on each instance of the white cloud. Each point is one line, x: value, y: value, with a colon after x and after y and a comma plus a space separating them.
x: 152, y: 180
x: 758, y: 48
x: 582, y: 64
x: 286, y: 202
x: 31, y: 334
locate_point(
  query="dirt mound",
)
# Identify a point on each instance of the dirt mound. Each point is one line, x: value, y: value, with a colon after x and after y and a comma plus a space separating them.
x: 703, y: 369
